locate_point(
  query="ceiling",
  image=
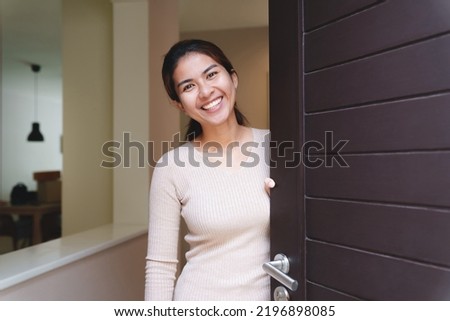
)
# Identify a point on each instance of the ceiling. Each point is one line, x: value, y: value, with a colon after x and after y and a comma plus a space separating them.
x: 222, y: 14
x: 30, y: 33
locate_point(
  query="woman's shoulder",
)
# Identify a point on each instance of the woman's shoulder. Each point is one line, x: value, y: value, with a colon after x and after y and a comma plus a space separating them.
x: 262, y: 131
x: 260, y: 135
x: 177, y: 157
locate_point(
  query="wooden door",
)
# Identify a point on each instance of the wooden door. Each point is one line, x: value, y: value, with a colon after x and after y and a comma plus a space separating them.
x: 369, y: 81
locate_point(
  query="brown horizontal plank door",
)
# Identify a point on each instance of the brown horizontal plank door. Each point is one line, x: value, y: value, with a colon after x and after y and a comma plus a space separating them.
x: 377, y: 75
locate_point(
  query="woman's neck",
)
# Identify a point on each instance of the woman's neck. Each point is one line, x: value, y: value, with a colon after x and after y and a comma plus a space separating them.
x: 224, y: 134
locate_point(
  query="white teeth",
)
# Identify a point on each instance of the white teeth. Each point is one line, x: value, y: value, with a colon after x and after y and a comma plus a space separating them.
x: 212, y: 104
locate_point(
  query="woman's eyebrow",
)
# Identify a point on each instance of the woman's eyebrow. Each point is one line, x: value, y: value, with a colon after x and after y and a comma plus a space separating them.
x: 190, y: 79
x: 209, y: 68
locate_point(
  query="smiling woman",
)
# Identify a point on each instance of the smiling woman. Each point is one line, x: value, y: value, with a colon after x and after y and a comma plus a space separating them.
x: 209, y: 96
x: 226, y: 208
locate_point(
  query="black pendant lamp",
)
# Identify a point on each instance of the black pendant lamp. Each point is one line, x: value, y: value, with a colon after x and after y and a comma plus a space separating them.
x: 35, y: 135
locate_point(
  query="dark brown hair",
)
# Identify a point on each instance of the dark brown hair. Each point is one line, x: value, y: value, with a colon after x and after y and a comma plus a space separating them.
x: 179, y: 50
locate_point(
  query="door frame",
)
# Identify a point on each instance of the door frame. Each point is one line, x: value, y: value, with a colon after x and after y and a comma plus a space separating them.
x: 287, y: 136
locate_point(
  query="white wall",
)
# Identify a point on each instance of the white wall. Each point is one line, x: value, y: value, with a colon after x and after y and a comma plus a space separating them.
x: 164, y: 32
x: 131, y: 108
x: 1, y: 109
x: 143, y: 30
x: 88, y: 113
x: 18, y: 157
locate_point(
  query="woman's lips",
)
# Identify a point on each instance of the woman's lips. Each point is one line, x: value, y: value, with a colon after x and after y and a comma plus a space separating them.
x: 211, y: 105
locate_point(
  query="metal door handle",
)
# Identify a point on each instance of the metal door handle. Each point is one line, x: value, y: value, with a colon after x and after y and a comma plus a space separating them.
x: 278, y: 269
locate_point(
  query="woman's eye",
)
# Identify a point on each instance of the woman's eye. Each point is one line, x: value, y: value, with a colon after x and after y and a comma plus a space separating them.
x: 211, y: 74
x: 188, y: 87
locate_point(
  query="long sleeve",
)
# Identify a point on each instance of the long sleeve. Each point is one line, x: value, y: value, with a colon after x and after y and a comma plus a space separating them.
x: 164, y: 224
x: 227, y: 214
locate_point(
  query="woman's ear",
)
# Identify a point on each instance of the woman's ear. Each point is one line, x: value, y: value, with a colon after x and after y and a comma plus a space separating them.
x: 234, y: 78
x: 178, y: 105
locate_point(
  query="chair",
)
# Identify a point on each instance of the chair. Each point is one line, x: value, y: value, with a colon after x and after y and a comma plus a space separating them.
x: 24, y: 226
x: 8, y: 228
x: 51, y: 227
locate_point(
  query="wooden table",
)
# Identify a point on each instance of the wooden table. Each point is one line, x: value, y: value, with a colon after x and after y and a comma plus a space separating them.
x: 36, y: 211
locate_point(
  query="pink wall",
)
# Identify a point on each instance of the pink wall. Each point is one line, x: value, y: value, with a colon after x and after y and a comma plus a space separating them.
x: 116, y: 274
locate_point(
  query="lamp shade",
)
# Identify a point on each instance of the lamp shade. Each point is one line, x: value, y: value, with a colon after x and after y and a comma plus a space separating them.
x: 35, y: 135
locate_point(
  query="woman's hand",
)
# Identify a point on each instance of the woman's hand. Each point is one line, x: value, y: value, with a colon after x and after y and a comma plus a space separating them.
x: 268, y: 184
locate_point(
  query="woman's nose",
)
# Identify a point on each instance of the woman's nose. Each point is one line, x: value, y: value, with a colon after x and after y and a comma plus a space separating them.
x: 205, y: 90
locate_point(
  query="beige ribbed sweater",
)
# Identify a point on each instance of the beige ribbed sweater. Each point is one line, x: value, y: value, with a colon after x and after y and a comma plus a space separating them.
x: 227, y: 214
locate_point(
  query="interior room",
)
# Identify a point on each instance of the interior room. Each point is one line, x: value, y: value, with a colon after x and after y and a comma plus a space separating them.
x: 32, y: 36
x: 74, y: 98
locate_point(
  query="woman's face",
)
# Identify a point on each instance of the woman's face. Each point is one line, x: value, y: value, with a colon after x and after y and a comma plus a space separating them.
x: 207, y: 92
